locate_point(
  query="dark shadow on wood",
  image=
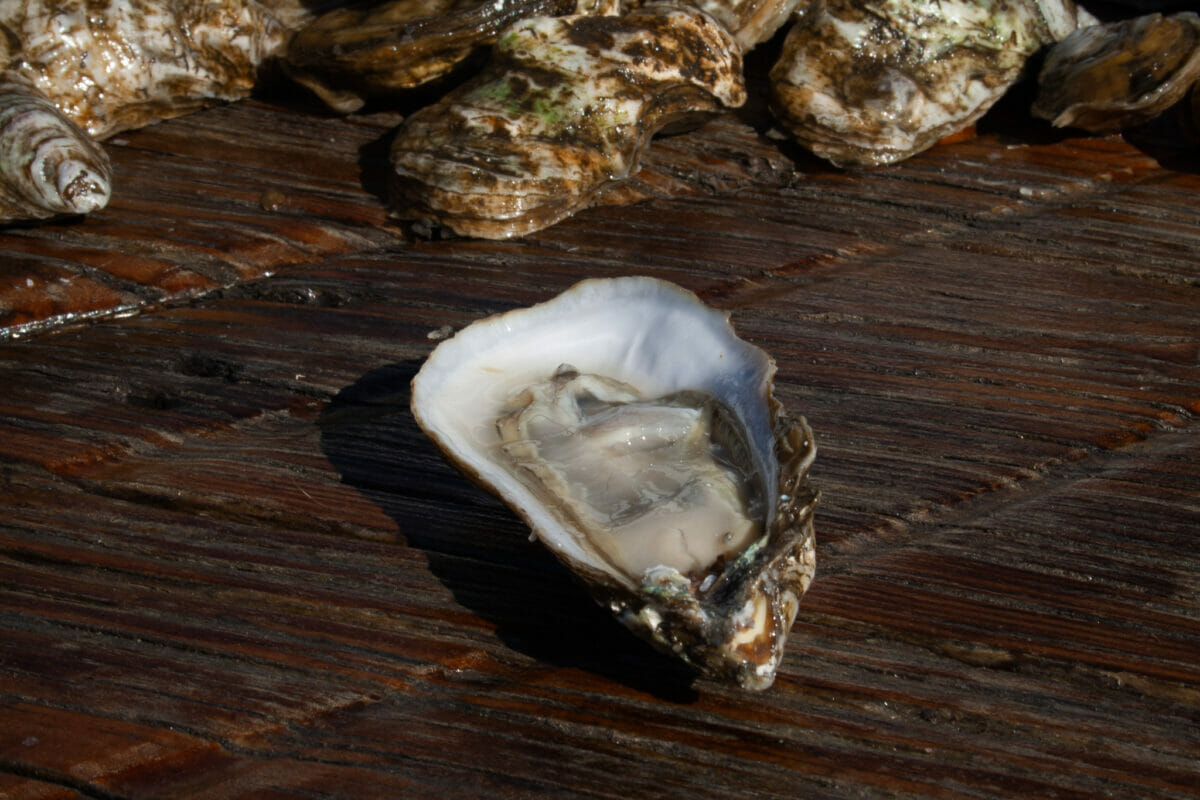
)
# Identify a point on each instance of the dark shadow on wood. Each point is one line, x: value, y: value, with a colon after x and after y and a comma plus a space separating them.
x: 475, y: 546
x: 1171, y: 139
x: 374, y: 166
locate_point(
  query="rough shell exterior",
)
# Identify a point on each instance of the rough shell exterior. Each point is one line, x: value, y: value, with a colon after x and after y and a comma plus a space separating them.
x: 348, y: 55
x: 103, y: 66
x: 564, y: 107
x: 874, y: 83
x: 751, y: 22
x: 48, y: 164
x: 1108, y: 77
x: 732, y: 625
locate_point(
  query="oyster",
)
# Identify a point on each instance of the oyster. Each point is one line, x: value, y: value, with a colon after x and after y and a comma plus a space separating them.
x: 49, y: 166
x: 874, y: 83
x: 637, y: 435
x: 563, y: 109
x: 349, y: 54
x: 1108, y: 77
x: 751, y: 22
x: 76, y: 70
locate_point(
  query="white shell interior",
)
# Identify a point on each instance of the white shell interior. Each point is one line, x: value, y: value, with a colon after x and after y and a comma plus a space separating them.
x: 649, y: 333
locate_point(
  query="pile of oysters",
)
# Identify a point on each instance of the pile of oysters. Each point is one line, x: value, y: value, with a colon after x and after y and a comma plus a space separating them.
x: 570, y: 92
x: 554, y: 101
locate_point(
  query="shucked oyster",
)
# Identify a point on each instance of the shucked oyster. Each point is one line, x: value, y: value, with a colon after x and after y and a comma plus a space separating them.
x: 564, y: 108
x: 76, y: 70
x: 1107, y: 77
x: 874, y: 83
x: 638, y: 437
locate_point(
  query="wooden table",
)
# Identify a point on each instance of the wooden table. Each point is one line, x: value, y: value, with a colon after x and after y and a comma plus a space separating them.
x: 232, y: 566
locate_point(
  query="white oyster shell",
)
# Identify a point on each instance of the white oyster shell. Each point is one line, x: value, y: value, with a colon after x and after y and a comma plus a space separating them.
x: 729, y: 618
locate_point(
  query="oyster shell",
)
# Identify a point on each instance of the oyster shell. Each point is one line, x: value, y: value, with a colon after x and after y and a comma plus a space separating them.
x: 637, y: 435
x: 48, y: 165
x: 751, y: 22
x: 348, y: 55
x: 563, y: 109
x: 74, y: 69
x: 874, y: 83
x: 1107, y: 77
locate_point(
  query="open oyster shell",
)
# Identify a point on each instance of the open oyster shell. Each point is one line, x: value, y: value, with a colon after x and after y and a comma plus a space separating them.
x: 637, y: 435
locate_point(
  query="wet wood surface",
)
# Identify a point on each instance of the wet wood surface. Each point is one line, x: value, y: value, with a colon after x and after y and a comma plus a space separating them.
x: 232, y: 566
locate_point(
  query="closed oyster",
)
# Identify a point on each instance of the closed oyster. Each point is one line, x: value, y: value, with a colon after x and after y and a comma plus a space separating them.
x: 350, y: 54
x: 874, y: 83
x: 564, y: 108
x: 97, y: 67
x: 637, y: 435
x: 1108, y: 77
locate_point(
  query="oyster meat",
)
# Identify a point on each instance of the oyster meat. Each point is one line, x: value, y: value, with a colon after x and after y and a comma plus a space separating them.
x: 874, y: 83
x: 1107, y: 77
x: 638, y: 437
x: 75, y: 71
x: 563, y: 109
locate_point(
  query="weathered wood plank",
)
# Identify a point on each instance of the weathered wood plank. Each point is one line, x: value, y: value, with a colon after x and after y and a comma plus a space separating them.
x: 231, y: 565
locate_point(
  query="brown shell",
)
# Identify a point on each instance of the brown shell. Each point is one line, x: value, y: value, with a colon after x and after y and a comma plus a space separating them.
x: 112, y: 65
x: 78, y: 69
x: 48, y: 165
x: 563, y: 108
x: 349, y: 55
x: 1108, y: 77
x: 874, y: 83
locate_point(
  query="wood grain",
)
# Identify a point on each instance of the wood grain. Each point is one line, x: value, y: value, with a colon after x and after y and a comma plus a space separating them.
x: 231, y: 565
